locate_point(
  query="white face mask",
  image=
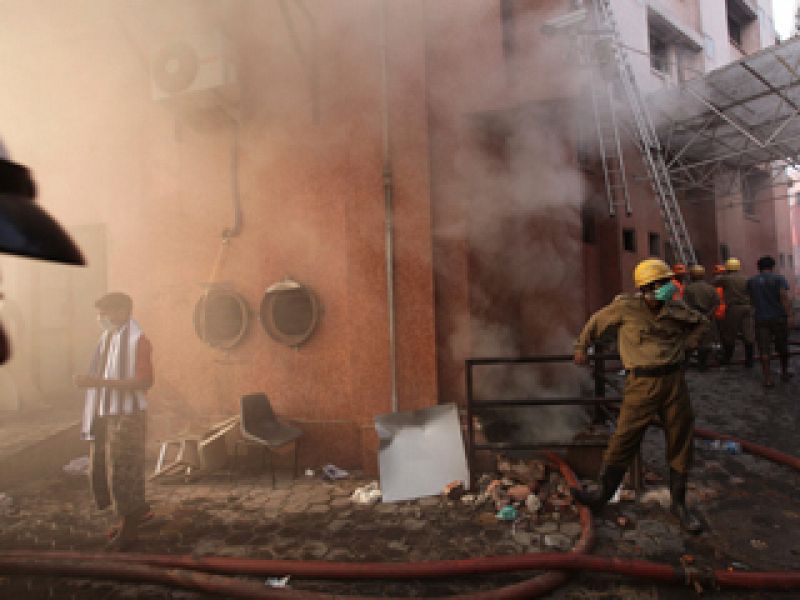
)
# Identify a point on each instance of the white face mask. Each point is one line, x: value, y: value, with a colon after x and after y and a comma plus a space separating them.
x: 105, y: 323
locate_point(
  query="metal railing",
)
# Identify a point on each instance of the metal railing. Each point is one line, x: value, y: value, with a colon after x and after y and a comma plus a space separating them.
x: 598, y: 400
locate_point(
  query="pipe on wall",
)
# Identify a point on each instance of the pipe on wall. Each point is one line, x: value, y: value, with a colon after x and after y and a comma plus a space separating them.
x: 388, y: 200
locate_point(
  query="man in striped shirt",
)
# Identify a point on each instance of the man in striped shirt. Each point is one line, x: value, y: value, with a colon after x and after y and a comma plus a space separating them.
x: 114, y: 418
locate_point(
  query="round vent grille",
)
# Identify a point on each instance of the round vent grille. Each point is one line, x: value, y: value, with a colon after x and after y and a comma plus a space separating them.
x: 289, y: 312
x: 221, y: 318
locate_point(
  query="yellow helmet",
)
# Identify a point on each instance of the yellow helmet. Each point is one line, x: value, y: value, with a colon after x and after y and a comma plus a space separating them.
x: 697, y: 270
x: 650, y: 270
x: 733, y: 264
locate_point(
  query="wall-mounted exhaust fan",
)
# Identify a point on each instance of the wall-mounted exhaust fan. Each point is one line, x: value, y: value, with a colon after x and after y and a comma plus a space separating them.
x: 289, y: 312
x: 221, y: 317
x: 196, y: 67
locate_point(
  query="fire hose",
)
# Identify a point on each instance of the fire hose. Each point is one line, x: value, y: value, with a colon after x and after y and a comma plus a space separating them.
x: 205, y: 573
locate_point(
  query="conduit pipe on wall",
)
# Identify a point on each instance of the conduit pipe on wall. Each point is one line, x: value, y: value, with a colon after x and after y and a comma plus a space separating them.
x: 230, y: 232
x: 388, y: 200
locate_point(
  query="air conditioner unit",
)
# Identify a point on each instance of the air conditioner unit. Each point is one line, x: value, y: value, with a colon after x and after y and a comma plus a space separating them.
x: 195, y: 70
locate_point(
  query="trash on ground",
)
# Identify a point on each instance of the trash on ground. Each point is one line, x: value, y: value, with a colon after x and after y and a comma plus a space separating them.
x: 658, y: 496
x: 278, y: 582
x: 454, y: 490
x: 507, y: 513
x: 332, y: 472
x: 367, y: 494
x: 77, y: 466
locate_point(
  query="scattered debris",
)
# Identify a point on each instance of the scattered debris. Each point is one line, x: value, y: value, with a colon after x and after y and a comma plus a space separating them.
x: 533, y: 504
x: 759, y: 544
x: 468, y: 499
x: 278, y: 582
x: 77, y: 466
x: 6, y: 503
x: 332, y: 472
x: 658, y: 496
x: 454, y: 490
x: 309, y: 472
x: 507, y: 513
x: 650, y: 477
x: 368, y: 494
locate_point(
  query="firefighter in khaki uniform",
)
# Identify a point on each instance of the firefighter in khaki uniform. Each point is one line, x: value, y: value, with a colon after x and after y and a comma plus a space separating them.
x: 738, y: 313
x: 702, y: 297
x: 654, y: 334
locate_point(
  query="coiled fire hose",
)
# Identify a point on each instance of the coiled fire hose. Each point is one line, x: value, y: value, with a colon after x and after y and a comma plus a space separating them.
x: 214, y: 574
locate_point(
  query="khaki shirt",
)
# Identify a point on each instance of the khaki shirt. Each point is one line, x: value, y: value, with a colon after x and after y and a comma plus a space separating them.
x: 702, y: 297
x: 734, y: 287
x: 646, y: 339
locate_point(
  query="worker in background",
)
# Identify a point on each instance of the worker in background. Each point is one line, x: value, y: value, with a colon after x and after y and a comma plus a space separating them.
x: 738, y: 312
x: 25, y: 229
x: 681, y: 274
x: 769, y: 293
x: 114, y: 415
x: 654, y: 334
x: 719, y: 313
x: 701, y: 296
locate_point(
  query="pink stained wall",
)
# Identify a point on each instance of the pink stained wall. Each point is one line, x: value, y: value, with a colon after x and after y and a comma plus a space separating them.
x: 312, y: 201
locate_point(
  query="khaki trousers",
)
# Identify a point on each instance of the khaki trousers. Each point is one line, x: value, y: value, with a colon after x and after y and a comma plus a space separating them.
x: 116, y: 463
x: 644, y: 398
x: 738, y: 319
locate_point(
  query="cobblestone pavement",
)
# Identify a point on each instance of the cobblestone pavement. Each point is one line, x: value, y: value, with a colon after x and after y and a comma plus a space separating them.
x: 751, y: 509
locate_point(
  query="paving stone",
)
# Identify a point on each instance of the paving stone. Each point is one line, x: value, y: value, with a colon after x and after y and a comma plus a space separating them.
x: 546, y: 527
x: 337, y: 525
x: 414, y: 524
x: 314, y: 550
x: 429, y: 501
x: 340, y: 555
x: 558, y: 541
x: 524, y: 538
x: 397, y: 546
x: 654, y: 528
x: 571, y: 529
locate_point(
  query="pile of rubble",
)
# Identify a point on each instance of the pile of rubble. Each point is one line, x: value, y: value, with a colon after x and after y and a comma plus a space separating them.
x: 530, y: 495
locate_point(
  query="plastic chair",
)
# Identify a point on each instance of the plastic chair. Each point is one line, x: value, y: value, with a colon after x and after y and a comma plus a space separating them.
x: 260, y: 426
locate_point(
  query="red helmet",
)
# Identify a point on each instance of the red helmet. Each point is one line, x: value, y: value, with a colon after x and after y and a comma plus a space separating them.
x: 679, y: 269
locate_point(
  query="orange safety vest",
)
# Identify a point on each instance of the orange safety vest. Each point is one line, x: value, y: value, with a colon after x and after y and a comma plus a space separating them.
x: 678, y: 295
x: 721, y: 310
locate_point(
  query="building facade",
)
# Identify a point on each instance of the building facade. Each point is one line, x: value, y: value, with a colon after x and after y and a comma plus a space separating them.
x: 413, y: 163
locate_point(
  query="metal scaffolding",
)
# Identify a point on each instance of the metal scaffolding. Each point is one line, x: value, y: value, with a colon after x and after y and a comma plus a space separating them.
x: 739, y: 120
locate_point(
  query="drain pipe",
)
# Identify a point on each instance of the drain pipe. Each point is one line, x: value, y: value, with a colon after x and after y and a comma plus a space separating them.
x: 388, y: 199
x: 230, y: 232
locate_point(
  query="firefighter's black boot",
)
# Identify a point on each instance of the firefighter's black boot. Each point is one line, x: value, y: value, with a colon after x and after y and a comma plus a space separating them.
x: 748, y: 356
x: 702, y: 358
x: 727, y: 354
x: 677, y: 489
x: 610, y: 478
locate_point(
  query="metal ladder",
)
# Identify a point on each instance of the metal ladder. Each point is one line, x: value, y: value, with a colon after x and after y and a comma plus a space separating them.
x: 647, y: 140
x: 606, y: 125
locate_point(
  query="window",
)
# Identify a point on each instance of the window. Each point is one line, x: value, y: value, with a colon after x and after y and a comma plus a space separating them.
x: 734, y: 31
x: 795, y: 201
x: 629, y: 240
x: 659, y: 52
x: 739, y: 16
x: 782, y: 260
x: 724, y: 252
x: 588, y: 223
x: 790, y: 258
x: 752, y: 182
x: 654, y: 244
